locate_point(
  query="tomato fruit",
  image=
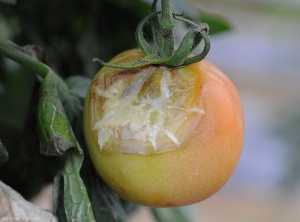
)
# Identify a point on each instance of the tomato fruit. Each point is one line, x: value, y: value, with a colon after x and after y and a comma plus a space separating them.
x: 163, y: 136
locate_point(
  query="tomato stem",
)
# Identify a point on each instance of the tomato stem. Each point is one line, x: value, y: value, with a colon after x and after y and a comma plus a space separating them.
x: 161, y: 52
x: 16, y: 53
x: 167, y: 29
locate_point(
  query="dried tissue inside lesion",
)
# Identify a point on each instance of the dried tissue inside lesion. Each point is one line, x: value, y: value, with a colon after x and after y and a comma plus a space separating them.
x: 139, y: 117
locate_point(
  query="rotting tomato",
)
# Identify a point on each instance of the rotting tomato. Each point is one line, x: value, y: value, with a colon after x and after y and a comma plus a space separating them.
x: 163, y: 136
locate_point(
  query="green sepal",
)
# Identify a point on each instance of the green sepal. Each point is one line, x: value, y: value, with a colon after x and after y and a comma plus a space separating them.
x: 141, y: 41
x: 3, y: 154
x: 183, y: 50
x: 55, y: 131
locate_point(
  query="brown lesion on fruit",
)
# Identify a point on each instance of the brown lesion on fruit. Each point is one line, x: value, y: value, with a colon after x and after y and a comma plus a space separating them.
x: 122, y: 190
x: 95, y: 104
x: 151, y: 87
x: 163, y: 203
x: 119, y: 75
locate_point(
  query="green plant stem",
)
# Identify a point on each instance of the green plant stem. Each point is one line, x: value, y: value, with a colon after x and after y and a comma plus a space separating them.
x: 167, y: 29
x: 14, y: 52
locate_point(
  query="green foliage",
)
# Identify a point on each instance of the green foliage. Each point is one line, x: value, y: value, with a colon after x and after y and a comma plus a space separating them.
x: 78, y: 85
x: 76, y: 201
x: 57, y: 111
x: 55, y: 132
x: 216, y: 24
x: 178, y: 214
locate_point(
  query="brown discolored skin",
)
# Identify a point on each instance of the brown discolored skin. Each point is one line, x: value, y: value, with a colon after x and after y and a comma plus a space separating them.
x: 194, y: 171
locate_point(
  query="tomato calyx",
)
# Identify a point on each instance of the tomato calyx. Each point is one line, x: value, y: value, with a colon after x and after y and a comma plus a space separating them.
x: 162, y: 52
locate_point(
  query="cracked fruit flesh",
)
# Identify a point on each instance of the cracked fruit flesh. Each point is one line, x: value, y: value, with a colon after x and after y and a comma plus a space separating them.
x: 161, y: 136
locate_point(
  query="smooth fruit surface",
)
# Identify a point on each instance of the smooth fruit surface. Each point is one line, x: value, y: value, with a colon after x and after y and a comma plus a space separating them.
x: 162, y: 136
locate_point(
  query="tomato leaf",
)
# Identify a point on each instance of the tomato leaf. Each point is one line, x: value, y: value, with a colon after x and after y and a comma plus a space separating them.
x: 129, y: 207
x: 3, y: 154
x: 85, y: 197
x: 55, y: 132
x: 58, y: 198
x: 57, y: 107
x: 107, y: 205
x: 78, y: 85
x: 216, y: 24
x: 176, y: 214
x: 59, y: 126
x: 76, y: 201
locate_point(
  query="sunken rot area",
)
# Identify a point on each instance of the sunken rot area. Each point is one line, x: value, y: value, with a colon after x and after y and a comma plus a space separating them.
x: 163, y: 136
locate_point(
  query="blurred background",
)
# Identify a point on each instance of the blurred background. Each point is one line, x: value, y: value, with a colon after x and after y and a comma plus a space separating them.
x: 260, y: 54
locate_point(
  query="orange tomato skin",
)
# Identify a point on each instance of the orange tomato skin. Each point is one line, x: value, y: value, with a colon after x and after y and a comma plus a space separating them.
x: 194, y: 171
